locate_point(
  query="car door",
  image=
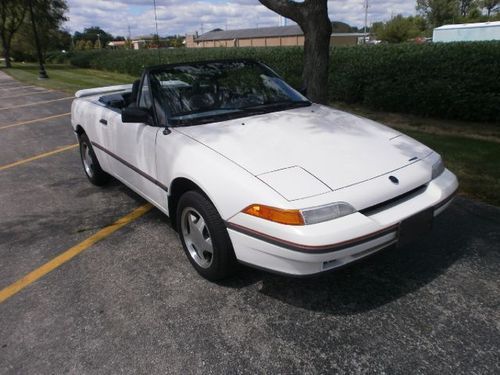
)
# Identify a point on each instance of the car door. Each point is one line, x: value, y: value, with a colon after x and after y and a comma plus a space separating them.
x: 94, y: 122
x: 132, y: 152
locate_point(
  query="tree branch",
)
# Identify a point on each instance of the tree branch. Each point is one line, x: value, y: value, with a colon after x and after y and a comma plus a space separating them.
x: 286, y: 8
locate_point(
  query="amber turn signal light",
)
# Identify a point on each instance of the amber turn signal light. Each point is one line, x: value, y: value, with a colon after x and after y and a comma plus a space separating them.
x: 290, y: 217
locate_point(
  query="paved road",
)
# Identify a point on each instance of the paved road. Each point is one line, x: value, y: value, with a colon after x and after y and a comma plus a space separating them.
x: 133, y: 304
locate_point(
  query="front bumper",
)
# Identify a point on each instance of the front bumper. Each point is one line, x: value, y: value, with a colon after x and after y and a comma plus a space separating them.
x: 322, y: 247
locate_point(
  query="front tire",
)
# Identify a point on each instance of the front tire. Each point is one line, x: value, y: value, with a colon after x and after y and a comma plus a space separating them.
x: 91, y: 165
x: 204, y: 237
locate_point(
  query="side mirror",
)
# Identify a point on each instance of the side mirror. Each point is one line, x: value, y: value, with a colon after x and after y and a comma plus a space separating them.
x: 303, y: 91
x: 135, y: 114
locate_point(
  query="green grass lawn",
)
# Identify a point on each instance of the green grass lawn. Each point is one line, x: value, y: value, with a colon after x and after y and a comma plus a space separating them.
x: 66, y: 78
x: 475, y: 162
x: 470, y: 150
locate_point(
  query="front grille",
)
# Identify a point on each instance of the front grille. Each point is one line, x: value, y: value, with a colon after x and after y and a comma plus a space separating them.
x: 393, y: 201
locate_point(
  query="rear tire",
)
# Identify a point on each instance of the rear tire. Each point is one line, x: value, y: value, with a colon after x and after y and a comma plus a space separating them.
x: 204, y: 237
x: 90, y: 164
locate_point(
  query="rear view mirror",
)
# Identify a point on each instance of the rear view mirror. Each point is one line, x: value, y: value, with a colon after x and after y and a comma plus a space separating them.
x: 135, y: 114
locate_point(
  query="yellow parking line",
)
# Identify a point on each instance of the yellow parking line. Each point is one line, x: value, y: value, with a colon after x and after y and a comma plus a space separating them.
x: 33, y: 121
x: 69, y: 254
x: 36, y: 157
x: 37, y: 103
x: 26, y: 94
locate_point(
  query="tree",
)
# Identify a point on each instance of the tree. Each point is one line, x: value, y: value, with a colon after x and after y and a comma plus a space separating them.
x: 466, y: 7
x: 342, y: 27
x: 312, y: 17
x: 80, y: 45
x: 438, y: 12
x: 155, y: 41
x: 92, y: 34
x: 49, y: 14
x: 490, y: 5
x: 12, y: 15
x: 398, y: 29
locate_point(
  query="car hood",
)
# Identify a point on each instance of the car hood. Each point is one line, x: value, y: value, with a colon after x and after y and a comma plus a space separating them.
x: 337, y: 148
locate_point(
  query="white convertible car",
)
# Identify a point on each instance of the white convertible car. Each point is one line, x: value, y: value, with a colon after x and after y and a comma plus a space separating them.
x: 250, y: 171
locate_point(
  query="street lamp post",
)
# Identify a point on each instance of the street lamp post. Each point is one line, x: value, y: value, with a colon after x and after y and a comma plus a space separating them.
x: 42, y: 74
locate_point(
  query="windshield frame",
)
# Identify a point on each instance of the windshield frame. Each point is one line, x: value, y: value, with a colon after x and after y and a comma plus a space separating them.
x: 230, y: 115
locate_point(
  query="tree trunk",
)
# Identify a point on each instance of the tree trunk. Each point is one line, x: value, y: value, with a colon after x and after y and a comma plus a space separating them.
x: 312, y: 17
x: 6, y: 55
x: 317, y: 30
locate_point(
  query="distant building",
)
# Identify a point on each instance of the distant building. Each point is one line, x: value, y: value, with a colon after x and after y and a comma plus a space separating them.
x: 138, y: 44
x: 467, y: 32
x: 264, y: 37
x: 117, y: 44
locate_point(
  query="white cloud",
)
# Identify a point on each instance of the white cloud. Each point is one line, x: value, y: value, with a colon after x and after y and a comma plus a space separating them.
x: 182, y: 16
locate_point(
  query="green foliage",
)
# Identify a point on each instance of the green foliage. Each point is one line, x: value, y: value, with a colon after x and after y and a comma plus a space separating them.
x: 444, y: 80
x: 94, y: 35
x: 58, y: 57
x: 490, y: 6
x: 288, y: 61
x: 452, y: 80
x: 49, y: 15
x: 12, y: 15
x: 23, y: 46
x: 398, y: 29
x: 438, y: 12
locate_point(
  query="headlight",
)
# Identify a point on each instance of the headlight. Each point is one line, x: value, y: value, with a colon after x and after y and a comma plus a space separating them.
x: 306, y: 216
x: 437, y: 168
x: 324, y: 213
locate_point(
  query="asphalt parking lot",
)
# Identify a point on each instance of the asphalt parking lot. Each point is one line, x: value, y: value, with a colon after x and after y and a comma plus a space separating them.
x: 132, y: 303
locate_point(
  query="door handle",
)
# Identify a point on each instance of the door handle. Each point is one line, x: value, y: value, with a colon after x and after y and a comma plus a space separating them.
x: 104, y: 122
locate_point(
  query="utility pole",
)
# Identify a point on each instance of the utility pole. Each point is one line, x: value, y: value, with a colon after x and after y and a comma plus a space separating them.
x: 366, y: 21
x: 129, y: 38
x: 42, y: 74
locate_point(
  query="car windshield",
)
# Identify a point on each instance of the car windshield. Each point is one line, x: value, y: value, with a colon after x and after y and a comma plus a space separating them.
x: 215, y: 91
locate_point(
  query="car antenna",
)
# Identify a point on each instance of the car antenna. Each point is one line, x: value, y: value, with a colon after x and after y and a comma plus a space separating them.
x: 157, y: 35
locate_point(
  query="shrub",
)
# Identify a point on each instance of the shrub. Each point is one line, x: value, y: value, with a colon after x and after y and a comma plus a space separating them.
x: 57, y: 57
x: 287, y: 61
x: 452, y: 80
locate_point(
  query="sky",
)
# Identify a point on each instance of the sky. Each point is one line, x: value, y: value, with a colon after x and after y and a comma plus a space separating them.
x: 188, y: 16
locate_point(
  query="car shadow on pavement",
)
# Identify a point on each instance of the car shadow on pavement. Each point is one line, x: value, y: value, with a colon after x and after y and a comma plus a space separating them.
x: 383, y: 277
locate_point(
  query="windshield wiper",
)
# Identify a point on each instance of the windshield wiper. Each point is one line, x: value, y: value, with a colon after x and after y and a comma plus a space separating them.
x: 206, y: 119
x: 270, y: 106
x: 233, y: 113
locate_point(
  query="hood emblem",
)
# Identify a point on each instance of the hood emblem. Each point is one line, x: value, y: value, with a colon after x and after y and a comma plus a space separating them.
x: 394, y: 180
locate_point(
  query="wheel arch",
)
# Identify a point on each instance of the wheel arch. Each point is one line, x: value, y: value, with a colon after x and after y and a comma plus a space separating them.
x: 79, y: 130
x: 178, y: 187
